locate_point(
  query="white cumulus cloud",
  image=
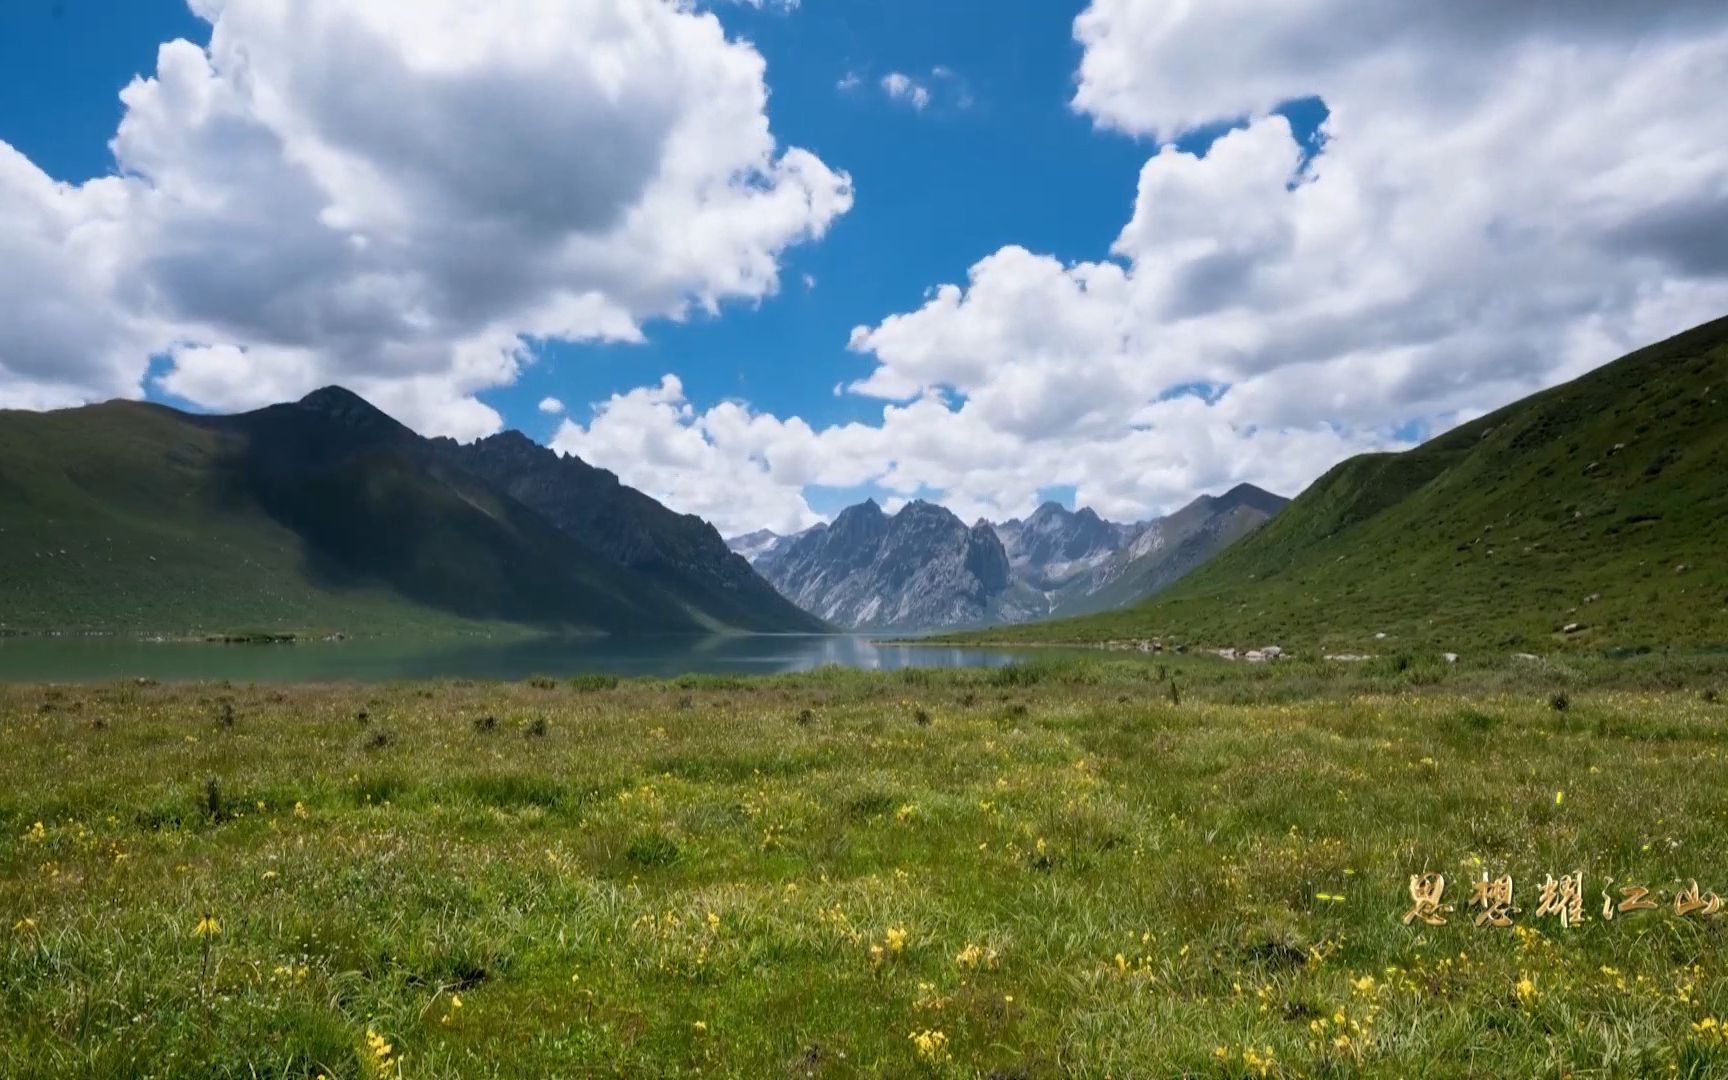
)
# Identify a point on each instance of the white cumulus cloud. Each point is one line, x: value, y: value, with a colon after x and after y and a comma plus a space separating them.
x: 397, y: 195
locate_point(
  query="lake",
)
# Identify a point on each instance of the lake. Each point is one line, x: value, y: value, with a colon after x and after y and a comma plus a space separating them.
x: 104, y: 659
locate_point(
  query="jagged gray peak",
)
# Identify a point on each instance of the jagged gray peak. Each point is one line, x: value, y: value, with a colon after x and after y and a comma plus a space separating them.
x: 921, y: 568
x: 1164, y: 550
x: 754, y: 545
x: 1056, y: 544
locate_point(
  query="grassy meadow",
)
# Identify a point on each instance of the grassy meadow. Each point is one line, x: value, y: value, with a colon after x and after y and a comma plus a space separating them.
x: 1072, y: 867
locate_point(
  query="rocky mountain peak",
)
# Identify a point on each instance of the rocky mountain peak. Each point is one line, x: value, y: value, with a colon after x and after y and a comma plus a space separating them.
x: 919, y: 569
x: 344, y: 405
x: 923, y: 568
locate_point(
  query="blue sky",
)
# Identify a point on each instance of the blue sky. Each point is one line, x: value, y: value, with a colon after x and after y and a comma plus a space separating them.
x: 1276, y: 299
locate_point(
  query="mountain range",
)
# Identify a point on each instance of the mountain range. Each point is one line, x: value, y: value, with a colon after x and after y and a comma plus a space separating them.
x: 923, y: 568
x: 1593, y: 515
x: 326, y: 514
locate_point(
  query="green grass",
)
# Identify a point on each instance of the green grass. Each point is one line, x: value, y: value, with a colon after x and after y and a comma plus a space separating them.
x: 1056, y: 866
x: 1598, y: 503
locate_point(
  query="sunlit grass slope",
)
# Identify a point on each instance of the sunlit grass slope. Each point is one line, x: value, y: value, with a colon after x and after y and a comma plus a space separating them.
x: 1066, y: 869
x: 1600, y: 505
x: 113, y: 517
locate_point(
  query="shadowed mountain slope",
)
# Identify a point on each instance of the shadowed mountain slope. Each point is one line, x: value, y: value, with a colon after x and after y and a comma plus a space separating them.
x: 323, y: 514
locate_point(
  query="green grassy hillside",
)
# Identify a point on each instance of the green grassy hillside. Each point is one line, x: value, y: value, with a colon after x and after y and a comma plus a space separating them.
x: 322, y: 515
x: 1601, y: 504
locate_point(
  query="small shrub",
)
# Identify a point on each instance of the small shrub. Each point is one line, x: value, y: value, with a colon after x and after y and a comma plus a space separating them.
x: 213, y: 805
x: 1559, y: 702
x: 805, y: 717
x: 541, y: 682
x: 536, y: 728
x: 652, y: 849
x: 378, y: 740
x: 362, y: 718
x: 225, y: 715
x: 485, y: 725
x: 1708, y: 697
x: 592, y: 681
x: 921, y: 717
x: 1175, y: 693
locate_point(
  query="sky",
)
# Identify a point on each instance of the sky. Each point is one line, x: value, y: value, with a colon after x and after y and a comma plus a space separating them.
x: 765, y: 258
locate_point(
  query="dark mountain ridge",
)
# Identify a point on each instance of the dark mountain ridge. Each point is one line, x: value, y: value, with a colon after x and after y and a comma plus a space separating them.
x: 681, y: 551
x: 321, y: 514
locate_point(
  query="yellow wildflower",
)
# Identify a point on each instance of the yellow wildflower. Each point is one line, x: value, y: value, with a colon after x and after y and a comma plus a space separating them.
x: 1526, y: 990
x: 932, y: 1045
x: 973, y: 957
x: 207, y: 927
x: 382, y: 1053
